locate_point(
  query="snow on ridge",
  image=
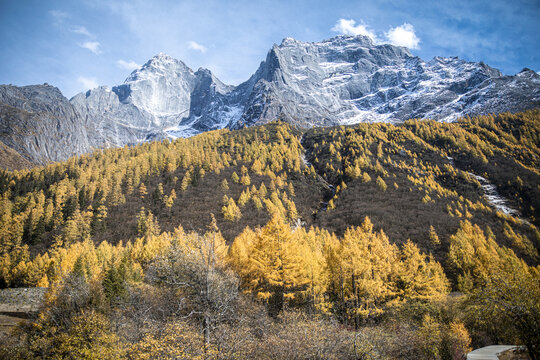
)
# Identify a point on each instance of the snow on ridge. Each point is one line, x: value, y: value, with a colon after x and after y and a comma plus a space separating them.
x: 495, y: 199
x: 343, y: 80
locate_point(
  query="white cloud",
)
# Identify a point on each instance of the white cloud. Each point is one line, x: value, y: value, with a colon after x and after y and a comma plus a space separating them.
x: 93, y: 46
x: 349, y: 27
x: 58, y: 16
x: 403, y: 35
x: 81, y: 30
x: 128, y: 65
x: 88, y: 83
x: 196, y: 46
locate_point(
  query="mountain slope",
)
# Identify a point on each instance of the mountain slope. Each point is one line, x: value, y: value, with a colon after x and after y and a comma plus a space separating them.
x: 12, y: 160
x: 41, y: 124
x: 419, y: 174
x: 383, y: 171
x: 340, y: 81
x: 135, y: 242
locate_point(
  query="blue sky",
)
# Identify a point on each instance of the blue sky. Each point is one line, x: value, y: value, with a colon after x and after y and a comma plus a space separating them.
x: 76, y: 45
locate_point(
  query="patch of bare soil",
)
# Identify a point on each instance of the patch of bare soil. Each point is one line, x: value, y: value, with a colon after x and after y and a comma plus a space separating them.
x: 514, y: 354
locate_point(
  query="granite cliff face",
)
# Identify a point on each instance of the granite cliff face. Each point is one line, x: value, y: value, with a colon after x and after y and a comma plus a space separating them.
x: 347, y: 80
x: 162, y: 98
x: 343, y: 80
x: 40, y: 124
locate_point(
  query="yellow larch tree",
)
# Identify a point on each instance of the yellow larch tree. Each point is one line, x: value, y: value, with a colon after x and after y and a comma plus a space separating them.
x: 361, y: 267
x: 420, y: 277
x: 230, y: 210
x: 276, y: 265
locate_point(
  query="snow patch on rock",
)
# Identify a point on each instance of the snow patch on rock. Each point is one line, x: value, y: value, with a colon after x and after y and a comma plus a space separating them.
x: 340, y: 81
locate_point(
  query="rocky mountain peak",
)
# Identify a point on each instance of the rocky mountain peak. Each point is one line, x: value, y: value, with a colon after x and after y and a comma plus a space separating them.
x: 206, y: 77
x: 337, y: 41
x: 33, y: 98
x: 159, y: 66
x: 40, y: 124
x: 339, y: 81
x: 349, y: 40
x: 528, y: 74
x: 162, y: 57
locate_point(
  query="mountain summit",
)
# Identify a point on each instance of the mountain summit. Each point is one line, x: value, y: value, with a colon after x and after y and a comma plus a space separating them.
x: 347, y: 80
x: 343, y: 80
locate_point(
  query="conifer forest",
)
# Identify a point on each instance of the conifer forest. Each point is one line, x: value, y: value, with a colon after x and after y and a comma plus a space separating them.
x: 416, y: 240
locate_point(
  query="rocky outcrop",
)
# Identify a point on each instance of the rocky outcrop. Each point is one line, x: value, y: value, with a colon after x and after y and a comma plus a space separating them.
x: 347, y: 80
x: 340, y: 81
x: 41, y: 124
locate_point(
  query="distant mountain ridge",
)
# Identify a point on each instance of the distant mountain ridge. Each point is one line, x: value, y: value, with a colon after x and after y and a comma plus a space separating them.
x: 40, y: 124
x: 343, y: 80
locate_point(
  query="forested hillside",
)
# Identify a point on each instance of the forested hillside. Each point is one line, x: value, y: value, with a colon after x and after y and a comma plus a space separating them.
x: 421, y: 178
x: 367, y: 241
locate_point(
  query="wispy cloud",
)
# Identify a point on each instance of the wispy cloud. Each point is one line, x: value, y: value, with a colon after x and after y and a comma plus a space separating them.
x: 349, y: 27
x: 403, y: 35
x: 59, y: 19
x: 81, y: 30
x: 93, y: 46
x: 88, y: 83
x: 128, y: 65
x: 58, y: 16
x: 196, y: 46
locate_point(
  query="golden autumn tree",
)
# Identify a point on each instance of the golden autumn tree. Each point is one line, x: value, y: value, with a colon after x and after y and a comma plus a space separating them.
x: 186, y: 180
x: 511, y: 298
x: 420, y: 277
x: 77, y: 227
x: 276, y: 267
x: 311, y: 244
x: 147, y: 224
x: 176, y: 340
x: 434, y: 240
x: 230, y: 210
x: 475, y: 258
x: 98, y: 221
x: 502, y: 288
x: 361, y: 268
x: 89, y: 336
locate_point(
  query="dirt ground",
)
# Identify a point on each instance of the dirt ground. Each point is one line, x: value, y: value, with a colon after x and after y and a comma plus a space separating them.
x: 514, y: 354
x: 17, y: 305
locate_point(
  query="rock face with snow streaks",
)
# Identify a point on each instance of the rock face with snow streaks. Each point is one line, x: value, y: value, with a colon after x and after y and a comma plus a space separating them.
x: 347, y: 80
x: 343, y: 80
x: 340, y: 81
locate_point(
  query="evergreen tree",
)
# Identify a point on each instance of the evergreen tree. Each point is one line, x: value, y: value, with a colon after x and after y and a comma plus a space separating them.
x: 113, y: 284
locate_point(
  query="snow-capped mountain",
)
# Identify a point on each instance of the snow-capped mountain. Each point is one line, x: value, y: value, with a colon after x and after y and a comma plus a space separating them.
x: 163, y: 96
x: 343, y: 80
x: 347, y: 80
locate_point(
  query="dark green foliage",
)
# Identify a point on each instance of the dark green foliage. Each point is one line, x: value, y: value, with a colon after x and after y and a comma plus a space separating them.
x: 114, y: 283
